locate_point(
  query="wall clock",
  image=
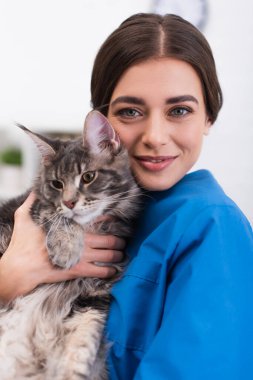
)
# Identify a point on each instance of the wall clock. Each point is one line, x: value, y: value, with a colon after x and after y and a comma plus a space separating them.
x: 194, y: 11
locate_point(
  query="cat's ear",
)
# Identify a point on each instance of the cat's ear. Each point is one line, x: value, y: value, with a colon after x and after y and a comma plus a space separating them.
x: 43, y: 144
x: 99, y: 134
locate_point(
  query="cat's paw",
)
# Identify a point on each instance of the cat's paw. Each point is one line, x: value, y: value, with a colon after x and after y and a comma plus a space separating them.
x: 65, y: 255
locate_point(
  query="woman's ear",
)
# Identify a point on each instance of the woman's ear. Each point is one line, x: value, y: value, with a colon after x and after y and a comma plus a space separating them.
x: 207, y: 126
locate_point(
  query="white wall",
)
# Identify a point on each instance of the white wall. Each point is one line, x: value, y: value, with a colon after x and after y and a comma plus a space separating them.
x: 228, y: 150
x: 47, y: 49
x: 47, y: 52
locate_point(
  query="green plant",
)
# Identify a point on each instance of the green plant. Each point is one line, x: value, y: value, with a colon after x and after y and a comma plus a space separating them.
x: 11, y: 156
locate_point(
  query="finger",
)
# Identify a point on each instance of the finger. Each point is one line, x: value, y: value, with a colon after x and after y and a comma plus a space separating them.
x: 79, y: 270
x: 25, y: 207
x: 104, y: 272
x: 103, y: 255
x: 101, y: 271
x: 104, y: 241
x: 30, y: 199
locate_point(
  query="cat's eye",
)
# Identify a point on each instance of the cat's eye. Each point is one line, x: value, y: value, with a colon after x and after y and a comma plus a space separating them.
x: 89, y: 176
x: 58, y: 185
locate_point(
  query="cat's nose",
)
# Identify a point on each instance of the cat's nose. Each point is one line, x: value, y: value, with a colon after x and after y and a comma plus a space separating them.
x: 70, y: 204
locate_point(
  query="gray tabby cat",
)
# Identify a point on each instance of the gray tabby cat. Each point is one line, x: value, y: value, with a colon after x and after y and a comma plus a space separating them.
x: 56, y: 331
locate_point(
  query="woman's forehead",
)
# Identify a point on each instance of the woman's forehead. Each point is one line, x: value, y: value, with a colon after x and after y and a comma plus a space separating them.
x: 163, y: 78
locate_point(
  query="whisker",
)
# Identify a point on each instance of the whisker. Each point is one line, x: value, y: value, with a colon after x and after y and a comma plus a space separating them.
x: 54, y: 227
x: 118, y: 197
x: 49, y: 220
x: 101, y: 107
x: 111, y: 199
x: 109, y: 208
x: 138, y: 195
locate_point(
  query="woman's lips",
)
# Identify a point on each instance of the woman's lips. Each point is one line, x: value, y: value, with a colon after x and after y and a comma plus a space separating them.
x: 155, y: 163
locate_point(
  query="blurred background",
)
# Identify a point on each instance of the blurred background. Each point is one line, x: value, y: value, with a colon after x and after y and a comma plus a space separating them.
x: 47, y: 50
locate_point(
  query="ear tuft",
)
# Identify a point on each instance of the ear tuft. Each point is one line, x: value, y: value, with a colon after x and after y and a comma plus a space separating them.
x: 43, y: 144
x: 99, y: 133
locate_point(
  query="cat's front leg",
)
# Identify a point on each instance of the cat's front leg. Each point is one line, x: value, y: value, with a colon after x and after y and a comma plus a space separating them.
x: 65, y: 243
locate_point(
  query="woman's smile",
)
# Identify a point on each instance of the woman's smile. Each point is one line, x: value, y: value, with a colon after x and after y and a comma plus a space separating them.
x: 155, y: 163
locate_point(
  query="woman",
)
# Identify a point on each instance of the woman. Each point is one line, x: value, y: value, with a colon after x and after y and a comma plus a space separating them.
x: 182, y: 309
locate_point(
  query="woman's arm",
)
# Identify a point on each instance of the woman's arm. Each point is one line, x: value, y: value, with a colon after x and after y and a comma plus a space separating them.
x: 25, y: 263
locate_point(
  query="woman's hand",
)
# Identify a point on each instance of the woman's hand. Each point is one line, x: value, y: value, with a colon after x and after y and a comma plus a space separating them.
x: 25, y: 263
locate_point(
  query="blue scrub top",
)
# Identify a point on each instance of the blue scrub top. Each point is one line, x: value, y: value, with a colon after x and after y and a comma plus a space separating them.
x: 184, y: 307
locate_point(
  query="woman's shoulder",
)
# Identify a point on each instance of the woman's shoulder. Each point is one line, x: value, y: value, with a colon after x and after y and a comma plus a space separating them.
x: 199, y: 187
x: 203, y: 194
x: 193, y: 214
x: 193, y: 193
x: 197, y: 194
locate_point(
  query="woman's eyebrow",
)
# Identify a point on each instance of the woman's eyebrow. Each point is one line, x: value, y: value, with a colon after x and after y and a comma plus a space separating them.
x: 181, y: 98
x: 141, y: 102
x: 129, y: 100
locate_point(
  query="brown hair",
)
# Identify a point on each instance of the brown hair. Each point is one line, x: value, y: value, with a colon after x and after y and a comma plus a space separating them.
x: 144, y: 36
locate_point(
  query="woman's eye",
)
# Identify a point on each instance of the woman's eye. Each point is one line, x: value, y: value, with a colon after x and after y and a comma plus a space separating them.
x: 58, y: 185
x: 88, y: 177
x: 129, y: 113
x: 180, y: 111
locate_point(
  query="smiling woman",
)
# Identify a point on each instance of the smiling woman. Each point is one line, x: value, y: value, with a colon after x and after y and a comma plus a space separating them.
x: 183, y: 300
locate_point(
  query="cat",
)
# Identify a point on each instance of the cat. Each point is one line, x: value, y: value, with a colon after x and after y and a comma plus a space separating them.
x: 56, y: 331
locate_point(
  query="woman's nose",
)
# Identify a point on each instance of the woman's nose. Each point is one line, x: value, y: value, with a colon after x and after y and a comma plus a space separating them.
x: 156, y: 132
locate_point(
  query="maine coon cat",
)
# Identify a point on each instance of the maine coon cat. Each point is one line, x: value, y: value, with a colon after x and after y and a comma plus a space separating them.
x: 56, y: 331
